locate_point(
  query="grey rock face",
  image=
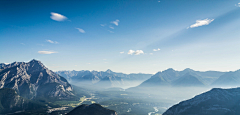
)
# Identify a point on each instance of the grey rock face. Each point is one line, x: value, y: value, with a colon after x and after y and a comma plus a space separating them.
x: 33, y: 79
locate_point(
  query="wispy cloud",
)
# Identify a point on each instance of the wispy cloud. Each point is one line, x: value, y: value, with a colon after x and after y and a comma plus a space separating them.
x: 121, y: 52
x: 137, y: 52
x: 103, y: 25
x: 115, y: 22
x: 80, y: 30
x: 104, y: 59
x: 156, y: 49
x: 58, y: 17
x: 158, y: 1
x: 88, y: 63
x: 22, y: 43
x: 53, y: 42
x: 238, y: 4
x: 201, y: 23
x: 110, y: 31
x: 151, y: 53
x: 111, y: 27
x: 46, y: 52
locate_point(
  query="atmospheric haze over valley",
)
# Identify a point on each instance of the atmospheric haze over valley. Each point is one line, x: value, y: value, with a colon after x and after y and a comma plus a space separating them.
x: 115, y: 57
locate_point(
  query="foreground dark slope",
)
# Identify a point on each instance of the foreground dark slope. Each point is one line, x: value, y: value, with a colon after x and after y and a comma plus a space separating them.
x: 11, y: 102
x: 214, y: 102
x: 93, y: 109
x: 34, y: 80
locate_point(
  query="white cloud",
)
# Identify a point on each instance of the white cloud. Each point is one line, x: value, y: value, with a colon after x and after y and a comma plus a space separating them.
x: 156, y: 49
x: 46, y: 52
x: 53, y: 42
x: 115, y: 22
x: 111, y: 27
x: 50, y: 41
x: 57, y: 17
x: 151, y: 53
x: 104, y: 59
x: 158, y: 1
x: 131, y: 52
x: 22, y: 43
x: 201, y: 23
x: 80, y: 30
x: 88, y: 63
x: 138, y: 52
x: 121, y: 52
x: 239, y: 4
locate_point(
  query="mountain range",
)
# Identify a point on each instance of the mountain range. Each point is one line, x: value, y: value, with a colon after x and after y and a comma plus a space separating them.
x: 103, y: 79
x: 187, y: 77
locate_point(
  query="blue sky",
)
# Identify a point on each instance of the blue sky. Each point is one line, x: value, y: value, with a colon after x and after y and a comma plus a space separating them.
x: 132, y: 36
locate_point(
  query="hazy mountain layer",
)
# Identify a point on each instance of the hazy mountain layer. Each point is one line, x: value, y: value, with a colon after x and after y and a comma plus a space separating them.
x: 229, y: 79
x: 187, y: 80
x: 187, y: 77
x: 103, y: 79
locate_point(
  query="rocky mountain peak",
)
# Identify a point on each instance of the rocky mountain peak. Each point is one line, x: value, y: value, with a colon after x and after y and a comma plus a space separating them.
x: 109, y: 71
x: 169, y: 70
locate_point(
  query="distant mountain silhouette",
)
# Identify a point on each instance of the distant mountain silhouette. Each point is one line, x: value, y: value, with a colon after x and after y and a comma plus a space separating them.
x: 187, y: 77
x: 33, y: 79
x: 187, y: 80
x: 95, y: 78
x: 229, y: 79
x: 214, y: 102
x: 93, y: 109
